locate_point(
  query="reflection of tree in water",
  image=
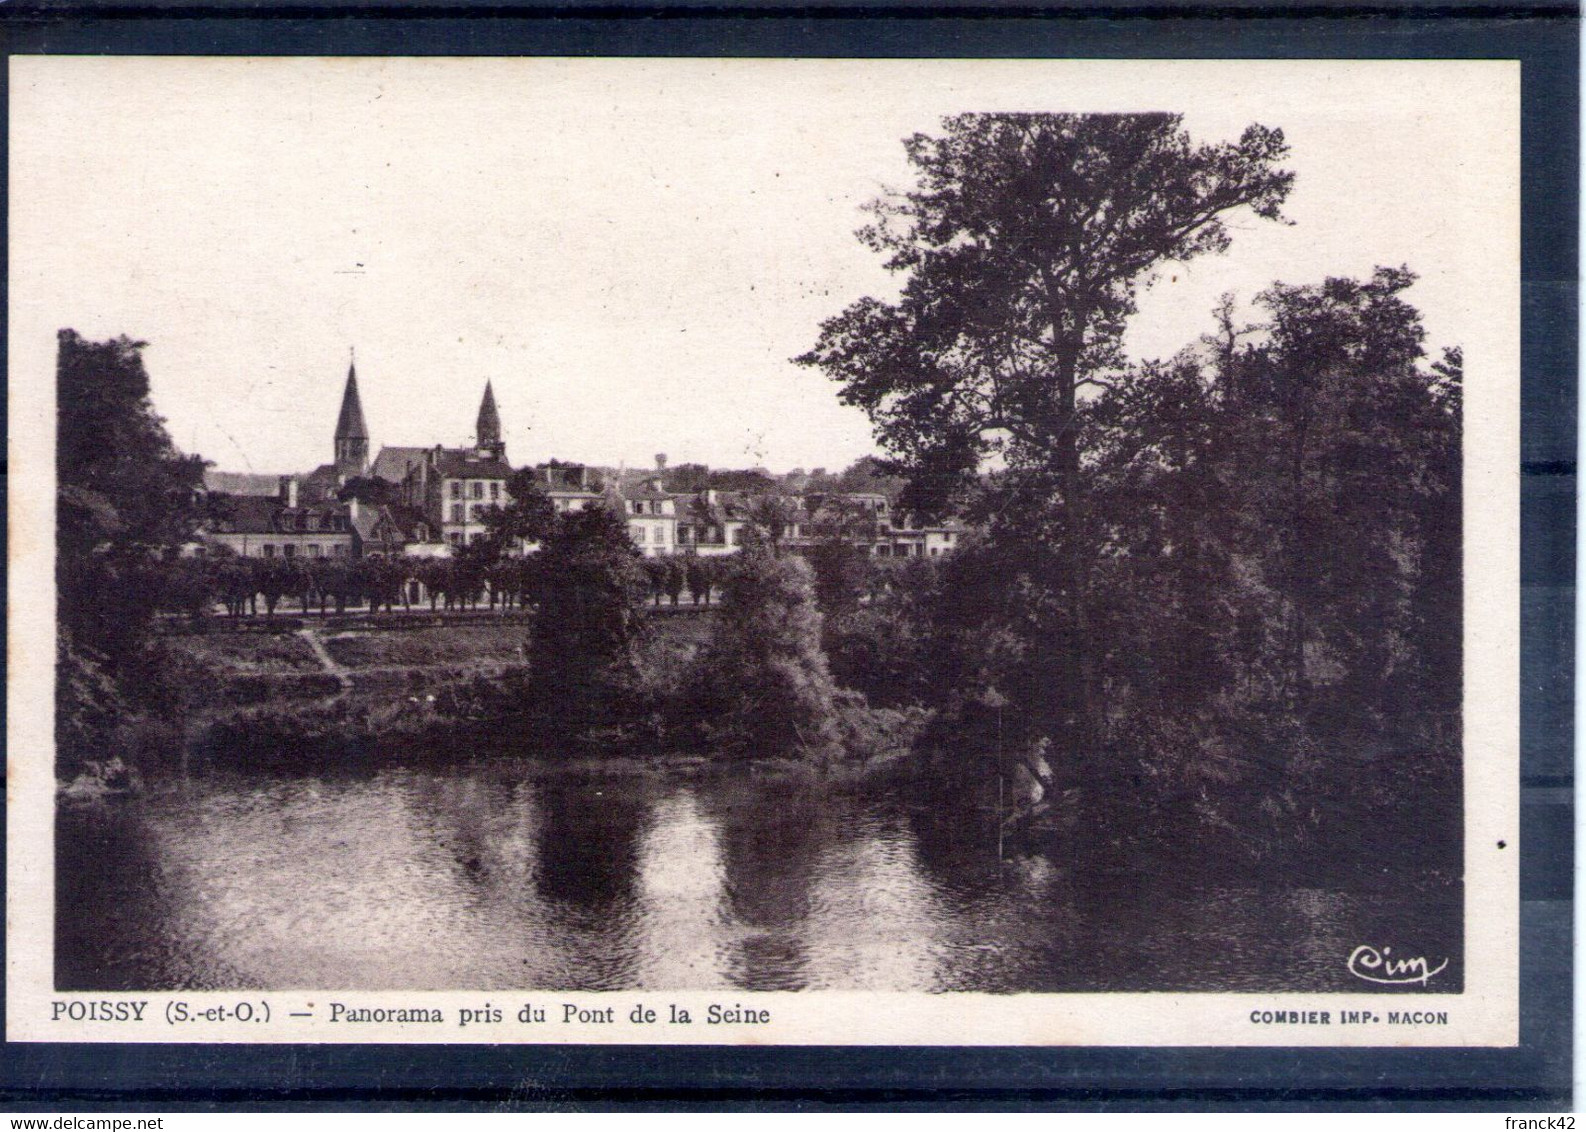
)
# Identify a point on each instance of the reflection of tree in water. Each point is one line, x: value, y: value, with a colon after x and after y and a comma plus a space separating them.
x: 955, y: 837
x: 589, y: 841
x: 482, y: 827
x: 111, y: 925
x: 772, y: 836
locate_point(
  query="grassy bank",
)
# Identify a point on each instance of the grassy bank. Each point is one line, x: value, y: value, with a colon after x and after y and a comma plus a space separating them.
x: 293, y: 698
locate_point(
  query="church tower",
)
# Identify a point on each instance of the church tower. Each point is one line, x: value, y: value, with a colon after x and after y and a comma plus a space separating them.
x: 487, y: 431
x: 352, y: 435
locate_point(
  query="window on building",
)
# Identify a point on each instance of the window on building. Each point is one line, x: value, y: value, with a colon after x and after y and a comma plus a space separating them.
x: 495, y: 489
x: 269, y: 550
x: 477, y: 510
x: 479, y: 489
x: 313, y: 549
x: 338, y: 551
x: 290, y: 550
x: 457, y: 489
x: 737, y: 537
x: 476, y: 536
x: 639, y: 534
x: 454, y: 538
x: 457, y: 512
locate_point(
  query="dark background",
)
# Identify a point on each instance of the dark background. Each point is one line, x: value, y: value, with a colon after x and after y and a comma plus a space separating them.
x: 1532, y: 1078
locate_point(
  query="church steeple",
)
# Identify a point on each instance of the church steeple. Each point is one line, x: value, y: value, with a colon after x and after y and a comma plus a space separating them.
x: 352, y: 435
x: 487, y: 431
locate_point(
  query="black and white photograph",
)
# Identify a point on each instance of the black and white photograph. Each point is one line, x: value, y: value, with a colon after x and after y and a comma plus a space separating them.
x: 557, y: 550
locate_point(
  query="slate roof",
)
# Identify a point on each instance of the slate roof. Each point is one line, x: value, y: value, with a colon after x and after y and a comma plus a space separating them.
x: 320, y: 485
x: 392, y: 464
x: 408, y: 520
x: 254, y: 515
x: 365, y: 522
x: 241, y: 483
x: 248, y: 514
x: 467, y: 464
x: 573, y: 478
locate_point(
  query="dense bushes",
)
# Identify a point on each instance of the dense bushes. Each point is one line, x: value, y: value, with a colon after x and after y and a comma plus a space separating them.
x: 1271, y: 591
x: 763, y: 686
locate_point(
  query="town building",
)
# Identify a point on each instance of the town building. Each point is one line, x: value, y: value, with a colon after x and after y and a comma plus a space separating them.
x: 432, y: 502
x: 711, y: 522
x: 454, y: 489
x: 651, y: 514
x: 570, y: 487
x: 286, y: 526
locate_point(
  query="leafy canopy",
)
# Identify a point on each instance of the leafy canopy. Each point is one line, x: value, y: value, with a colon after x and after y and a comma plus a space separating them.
x: 1025, y: 242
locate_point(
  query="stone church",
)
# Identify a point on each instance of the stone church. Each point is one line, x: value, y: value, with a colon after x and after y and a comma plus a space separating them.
x: 418, y: 500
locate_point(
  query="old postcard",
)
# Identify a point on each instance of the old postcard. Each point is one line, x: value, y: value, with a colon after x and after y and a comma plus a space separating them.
x: 913, y: 552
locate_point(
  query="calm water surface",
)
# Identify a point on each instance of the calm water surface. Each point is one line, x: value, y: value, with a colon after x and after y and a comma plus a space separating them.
x: 498, y: 876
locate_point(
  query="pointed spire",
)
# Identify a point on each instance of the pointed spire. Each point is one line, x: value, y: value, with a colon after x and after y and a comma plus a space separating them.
x: 487, y: 432
x: 350, y: 426
x: 352, y: 435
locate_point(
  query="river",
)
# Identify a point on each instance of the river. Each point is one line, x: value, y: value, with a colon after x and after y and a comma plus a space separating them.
x: 494, y: 875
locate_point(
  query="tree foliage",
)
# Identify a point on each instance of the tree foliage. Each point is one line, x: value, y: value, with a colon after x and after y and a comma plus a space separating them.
x: 125, y: 500
x: 763, y: 685
x: 583, y: 650
x: 1023, y: 245
x: 125, y: 496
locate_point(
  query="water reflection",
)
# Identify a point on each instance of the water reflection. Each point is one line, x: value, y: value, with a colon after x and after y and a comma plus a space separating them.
x: 770, y: 845
x: 503, y: 876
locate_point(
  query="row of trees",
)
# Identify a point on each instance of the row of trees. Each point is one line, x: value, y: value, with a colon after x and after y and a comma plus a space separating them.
x: 194, y: 586
x: 670, y: 575
x: 247, y: 586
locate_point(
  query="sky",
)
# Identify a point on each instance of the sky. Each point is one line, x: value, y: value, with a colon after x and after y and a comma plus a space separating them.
x: 632, y: 251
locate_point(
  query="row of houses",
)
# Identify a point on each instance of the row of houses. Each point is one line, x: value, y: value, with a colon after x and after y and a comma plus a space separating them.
x: 434, y: 501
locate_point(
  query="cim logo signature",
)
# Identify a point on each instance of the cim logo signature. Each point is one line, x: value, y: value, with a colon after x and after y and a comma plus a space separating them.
x: 1366, y: 962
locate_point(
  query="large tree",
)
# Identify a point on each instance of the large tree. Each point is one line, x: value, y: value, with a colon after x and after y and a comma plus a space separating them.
x: 125, y: 495
x: 1024, y: 245
x: 583, y: 651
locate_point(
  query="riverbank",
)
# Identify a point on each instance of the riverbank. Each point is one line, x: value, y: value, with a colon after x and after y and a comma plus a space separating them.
x: 302, y: 694
x: 362, y: 694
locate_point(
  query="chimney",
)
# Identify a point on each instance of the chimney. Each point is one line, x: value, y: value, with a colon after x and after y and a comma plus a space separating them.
x: 710, y: 496
x: 352, y: 507
x: 289, y: 490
